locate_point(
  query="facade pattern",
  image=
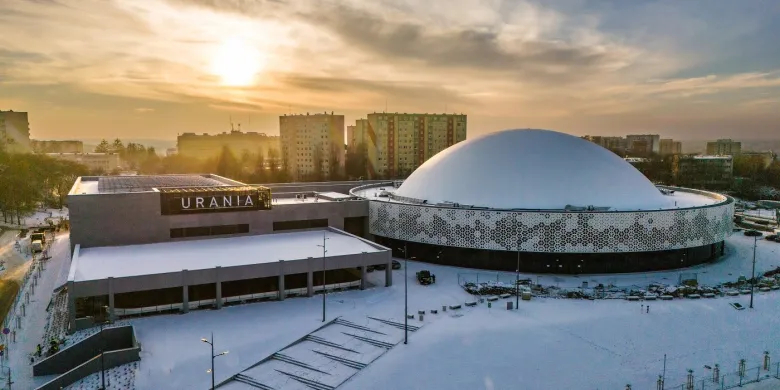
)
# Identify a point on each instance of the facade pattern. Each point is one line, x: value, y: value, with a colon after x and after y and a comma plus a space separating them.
x: 552, y: 231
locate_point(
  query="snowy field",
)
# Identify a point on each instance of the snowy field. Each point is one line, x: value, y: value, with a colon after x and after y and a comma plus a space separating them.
x: 546, y: 344
x: 39, y: 218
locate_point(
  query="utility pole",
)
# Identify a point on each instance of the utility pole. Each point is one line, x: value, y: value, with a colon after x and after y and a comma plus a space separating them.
x: 324, y: 290
x: 406, y: 296
x: 753, y: 273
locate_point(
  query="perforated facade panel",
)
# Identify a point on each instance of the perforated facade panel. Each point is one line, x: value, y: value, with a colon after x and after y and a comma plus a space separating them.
x: 553, y: 232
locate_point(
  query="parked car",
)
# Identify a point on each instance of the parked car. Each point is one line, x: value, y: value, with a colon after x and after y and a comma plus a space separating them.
x: 396, y: 264
x: 425, y: 277
x: 380, y: 267
x: 771, y: 237
x: 753, y: 233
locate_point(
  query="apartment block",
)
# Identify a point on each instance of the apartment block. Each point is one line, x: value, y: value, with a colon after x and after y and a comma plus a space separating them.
x: 706, y: 172
x: 14, y: 131
x: 309, y: 140
x: 398, y: 143
x: 209, y: 146
x: 724, y: 147
x: 357, y: 135
x: 104, y: 162
x: 617, y: 144
x: 669, y: 147
x: 39, y: 146
x: 643, y: 144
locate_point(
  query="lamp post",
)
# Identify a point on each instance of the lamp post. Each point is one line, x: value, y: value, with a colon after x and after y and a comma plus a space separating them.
x: 517, y: 278
x: 406, y: 294
x: 753, y: 273
x: 102, y: 351
x: 211, y: 343
x: 324, y: 290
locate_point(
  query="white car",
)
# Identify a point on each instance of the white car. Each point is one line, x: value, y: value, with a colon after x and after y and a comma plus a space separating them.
x: 37, y: 246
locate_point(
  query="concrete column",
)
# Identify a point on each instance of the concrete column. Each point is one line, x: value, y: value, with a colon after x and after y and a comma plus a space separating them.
x: 71, y: 308
x: 310, y: 283
x: 389, y: 272
x: 111, y: 315
x: 281, y: 280
x: 219, y: 288
x: 363, y: 275
x: 185, y: 292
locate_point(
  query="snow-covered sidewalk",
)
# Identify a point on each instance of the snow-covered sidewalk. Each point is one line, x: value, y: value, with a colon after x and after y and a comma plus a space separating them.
x: 34, y: 322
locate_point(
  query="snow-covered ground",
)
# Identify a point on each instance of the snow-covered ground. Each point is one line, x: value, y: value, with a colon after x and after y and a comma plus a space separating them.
x: 39, y: 218
x: 546, y: 344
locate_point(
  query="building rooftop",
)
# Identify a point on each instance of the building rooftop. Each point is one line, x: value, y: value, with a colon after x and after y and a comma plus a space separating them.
x: 148, y: 259
x: 90, y: 185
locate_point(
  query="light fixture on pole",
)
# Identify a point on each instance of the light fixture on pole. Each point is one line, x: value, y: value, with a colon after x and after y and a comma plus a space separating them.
x: 517, y: 278
x: 211, y: 371
x: 753, y: 273
x: 406, y: 294
x: 324, y: 290
x: 102, y: 351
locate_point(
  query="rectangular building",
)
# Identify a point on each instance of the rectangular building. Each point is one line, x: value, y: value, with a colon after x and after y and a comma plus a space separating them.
x: 210, y: 146
x: 102, y: 162
x: 312, y: 145
x: 704, y: 172
x: 357, y: 135
x: 147, y: 244
x: 724, y: 147
x: 643, y: 144
x: 398, y: 143
x: 14, y: 131
x: 616, y: 144
x: 39, y: 146
x: 669, y: 147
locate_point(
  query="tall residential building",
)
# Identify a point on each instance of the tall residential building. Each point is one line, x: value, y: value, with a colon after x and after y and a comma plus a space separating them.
x: 14, y: 131
x: 208, y: 146
x: 724, y: 147
x: 356, y: 135
x: 643, y: 143
x: 39, y: 146
x: 311, y: 139
x: 398, y: 143
x: 669, y: 147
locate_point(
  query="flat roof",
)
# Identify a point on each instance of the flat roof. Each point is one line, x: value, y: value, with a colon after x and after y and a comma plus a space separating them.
x: 135, y: 260
x: 679, y: 199
x: 90, y: 185
x: 333, y: 195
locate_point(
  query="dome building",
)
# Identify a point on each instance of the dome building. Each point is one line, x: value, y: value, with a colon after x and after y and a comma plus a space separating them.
x: 560, y: 203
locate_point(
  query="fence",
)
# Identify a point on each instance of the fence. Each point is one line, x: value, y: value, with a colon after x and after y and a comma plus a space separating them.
x: 715, y: 379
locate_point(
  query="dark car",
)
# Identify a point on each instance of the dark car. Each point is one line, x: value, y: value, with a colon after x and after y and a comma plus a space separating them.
x: 396, y: 264
x: 380, y: 267
x: 753, y: 233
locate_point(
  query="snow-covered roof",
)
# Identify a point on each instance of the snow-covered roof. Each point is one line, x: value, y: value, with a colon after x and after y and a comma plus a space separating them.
x: 134, y: 260
x: 532, y: 169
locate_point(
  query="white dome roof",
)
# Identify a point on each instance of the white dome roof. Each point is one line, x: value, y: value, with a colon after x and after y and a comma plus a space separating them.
x: 532, y: 169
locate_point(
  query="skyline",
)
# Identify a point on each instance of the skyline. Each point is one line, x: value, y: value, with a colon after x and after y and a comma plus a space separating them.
x: 158, y: 68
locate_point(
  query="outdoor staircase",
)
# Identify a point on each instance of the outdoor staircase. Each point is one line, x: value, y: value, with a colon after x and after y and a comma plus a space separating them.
x: 325, y: 358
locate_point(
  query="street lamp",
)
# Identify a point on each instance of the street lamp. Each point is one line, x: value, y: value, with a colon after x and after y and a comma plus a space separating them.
x: 211, y: 343
x: 517, y: 278
x: 102, y: 351
x: 324, y: 289
x: 406, y: 294
x: 753, y: 273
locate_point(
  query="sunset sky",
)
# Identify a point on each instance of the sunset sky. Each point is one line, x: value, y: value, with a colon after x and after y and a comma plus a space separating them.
x: 155, y: 68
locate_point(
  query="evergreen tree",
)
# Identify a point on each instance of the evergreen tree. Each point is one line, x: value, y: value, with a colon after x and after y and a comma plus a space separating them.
x: 103, y: 147
x: 227, y: 165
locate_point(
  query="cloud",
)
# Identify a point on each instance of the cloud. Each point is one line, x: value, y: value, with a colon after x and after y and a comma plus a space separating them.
x: 144, y: 110
x: 480, y: 49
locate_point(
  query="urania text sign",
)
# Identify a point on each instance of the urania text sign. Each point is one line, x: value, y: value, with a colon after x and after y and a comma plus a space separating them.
x: 217, y: 200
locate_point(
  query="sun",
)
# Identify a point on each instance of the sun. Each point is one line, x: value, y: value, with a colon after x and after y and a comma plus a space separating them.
x: 236, y: 63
